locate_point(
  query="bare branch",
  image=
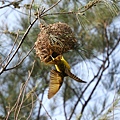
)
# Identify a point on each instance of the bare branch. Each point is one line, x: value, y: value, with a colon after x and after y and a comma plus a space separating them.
x: 98, y: 75
x: 39, y: 110
x: 17, y: 106
x: 19, y: 63
x: 15, y: 4
x: 19, y: 45
x: 43, y: 106
x: 23, y: 38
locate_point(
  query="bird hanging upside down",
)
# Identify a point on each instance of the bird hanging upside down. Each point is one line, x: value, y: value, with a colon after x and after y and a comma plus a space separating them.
x: 57, y: 76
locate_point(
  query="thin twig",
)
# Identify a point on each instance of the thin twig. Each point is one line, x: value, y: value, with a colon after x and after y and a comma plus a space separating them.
x: 64, y: 101
x: 43, y: 106
x: 19, y: 45
x: 98, y: 74
x: 39, y: 110
x: 18, y: 64
x: 7, y: 58
x: 30, y: 11
x: 52, y: 6
x: 59, y: 13
x: 18, y: 108
x: 17, y: 102
x: 31, y: 109
x: 11, y: 3
x: 24, y: 36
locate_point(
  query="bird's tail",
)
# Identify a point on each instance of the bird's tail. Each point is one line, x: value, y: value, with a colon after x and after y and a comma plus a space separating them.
x: 73, y: 76
x: 56, y: 80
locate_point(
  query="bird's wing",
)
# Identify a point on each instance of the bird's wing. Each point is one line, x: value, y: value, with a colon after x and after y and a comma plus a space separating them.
x: 67, y: 71
x: 56, y: 80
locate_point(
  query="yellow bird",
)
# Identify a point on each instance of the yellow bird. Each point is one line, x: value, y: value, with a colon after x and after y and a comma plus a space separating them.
x: 57, y: 76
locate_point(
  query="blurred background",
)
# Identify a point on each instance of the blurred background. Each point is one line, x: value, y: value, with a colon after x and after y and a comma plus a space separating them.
x: 24, y: 79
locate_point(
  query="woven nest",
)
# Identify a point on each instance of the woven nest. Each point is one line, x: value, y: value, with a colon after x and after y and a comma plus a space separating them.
x: 53, y: 40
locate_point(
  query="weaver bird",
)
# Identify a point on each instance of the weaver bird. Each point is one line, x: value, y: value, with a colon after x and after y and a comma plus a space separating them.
x: 57, y: 76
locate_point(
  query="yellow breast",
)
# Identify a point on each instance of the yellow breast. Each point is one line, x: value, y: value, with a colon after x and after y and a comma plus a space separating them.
x: 61, y: 65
